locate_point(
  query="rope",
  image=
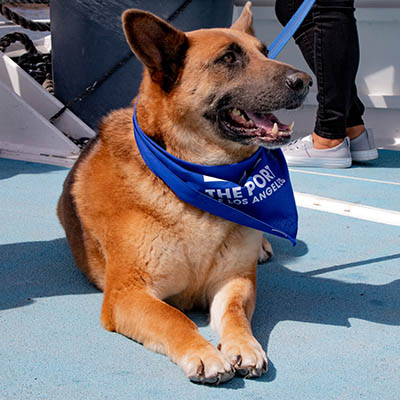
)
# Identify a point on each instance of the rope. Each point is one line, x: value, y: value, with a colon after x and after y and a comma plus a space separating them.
x: 21, y: 21
x: 13, y: 37
x: 39, y: 65
x: 96, y: 84
x: 33, y: 62
x: 48, y: 83
x: 19, y: 2
x: 36, y: 64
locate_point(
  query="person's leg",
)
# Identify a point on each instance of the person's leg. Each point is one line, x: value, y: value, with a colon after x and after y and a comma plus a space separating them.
x: 328, y: 40
x: 336, y: 64
x: 362, y: 144
x: 354, y: 123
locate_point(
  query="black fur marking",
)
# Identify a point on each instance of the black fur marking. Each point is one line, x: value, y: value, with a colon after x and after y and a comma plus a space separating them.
x: 210, y: 99
x: 210, y: 115
x: 237, y: 57
x: 223, y: 102
x: 160, y: 141
x: 264, y: 49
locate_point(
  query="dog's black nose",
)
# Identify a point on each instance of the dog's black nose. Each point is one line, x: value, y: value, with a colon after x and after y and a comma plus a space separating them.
x: 299, y: 82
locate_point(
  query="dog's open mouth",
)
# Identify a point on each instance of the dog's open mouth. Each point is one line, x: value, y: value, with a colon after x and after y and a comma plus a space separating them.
x: 265, y: 127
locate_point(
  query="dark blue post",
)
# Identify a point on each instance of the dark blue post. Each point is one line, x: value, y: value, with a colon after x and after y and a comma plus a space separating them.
x: 87, y: 41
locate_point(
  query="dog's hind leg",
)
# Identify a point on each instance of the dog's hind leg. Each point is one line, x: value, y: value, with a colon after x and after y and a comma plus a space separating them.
x: 134, y: 312
x: 231, y: 311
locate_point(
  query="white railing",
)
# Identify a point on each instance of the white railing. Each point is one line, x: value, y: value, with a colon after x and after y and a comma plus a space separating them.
x: 358, y: 3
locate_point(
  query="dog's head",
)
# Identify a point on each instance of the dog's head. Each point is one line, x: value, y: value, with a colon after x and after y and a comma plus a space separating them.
x: 215, y: 83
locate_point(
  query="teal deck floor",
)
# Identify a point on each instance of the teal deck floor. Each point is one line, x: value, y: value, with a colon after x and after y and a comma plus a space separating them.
x: 328, y: 310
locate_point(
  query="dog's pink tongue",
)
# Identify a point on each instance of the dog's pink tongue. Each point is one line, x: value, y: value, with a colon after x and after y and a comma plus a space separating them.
x: 266, y: 121
x: 261, y: 120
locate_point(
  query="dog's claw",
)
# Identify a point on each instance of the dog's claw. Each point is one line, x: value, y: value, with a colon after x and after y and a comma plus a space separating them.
x: 266, y: 251
x: 207, y: 366
x: 238, y: 360
x: 213, y: 380
x: 252, y: 372
x: 200, y: 369
x: 242, y: 372
x: 246, y: 356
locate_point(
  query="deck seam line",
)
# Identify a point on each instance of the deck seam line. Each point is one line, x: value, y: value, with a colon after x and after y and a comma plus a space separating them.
x: 348, y: 209
x: 344, y: 176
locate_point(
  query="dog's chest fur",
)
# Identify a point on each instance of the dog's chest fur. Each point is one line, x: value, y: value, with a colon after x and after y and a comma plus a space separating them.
x: 181, y: 251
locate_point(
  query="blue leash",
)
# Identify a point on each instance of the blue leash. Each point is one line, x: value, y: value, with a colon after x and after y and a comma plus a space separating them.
x: 288, y: 31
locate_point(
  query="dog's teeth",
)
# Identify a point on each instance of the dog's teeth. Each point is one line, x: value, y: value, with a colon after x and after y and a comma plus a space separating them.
x: 275, y: 129
x: 243, y: 118
x: 235, y: 111
x: 291, y: 126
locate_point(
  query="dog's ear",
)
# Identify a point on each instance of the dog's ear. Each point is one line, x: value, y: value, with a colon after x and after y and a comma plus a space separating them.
x: 157, y: 44
x: 245, y: 21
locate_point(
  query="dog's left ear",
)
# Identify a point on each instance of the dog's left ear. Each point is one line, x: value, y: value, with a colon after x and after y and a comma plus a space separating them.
x: 157, y: 44
x: 245, y: 21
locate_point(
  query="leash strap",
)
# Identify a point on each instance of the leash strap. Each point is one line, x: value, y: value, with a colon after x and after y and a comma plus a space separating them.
x: 288, y: 31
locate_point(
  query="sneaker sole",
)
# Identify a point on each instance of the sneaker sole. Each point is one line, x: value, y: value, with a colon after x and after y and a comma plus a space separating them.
x: 364, y: 155
x: 319, y: 162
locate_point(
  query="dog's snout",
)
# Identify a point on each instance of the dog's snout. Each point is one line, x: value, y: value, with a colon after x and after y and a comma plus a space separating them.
x: 299, y: 82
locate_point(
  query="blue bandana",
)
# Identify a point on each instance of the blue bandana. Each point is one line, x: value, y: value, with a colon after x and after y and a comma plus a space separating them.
x: 255, y: 192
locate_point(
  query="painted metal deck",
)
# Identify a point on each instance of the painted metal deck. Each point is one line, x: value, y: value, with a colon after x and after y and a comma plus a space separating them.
x: 328, y: 310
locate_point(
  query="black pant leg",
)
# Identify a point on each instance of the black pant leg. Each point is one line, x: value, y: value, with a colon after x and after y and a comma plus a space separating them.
x: 328, y: 40
x: 356, y: 111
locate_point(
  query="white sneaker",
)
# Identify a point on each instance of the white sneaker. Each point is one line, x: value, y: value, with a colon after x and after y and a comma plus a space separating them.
x: 363, y: 147
x: 301, y: 153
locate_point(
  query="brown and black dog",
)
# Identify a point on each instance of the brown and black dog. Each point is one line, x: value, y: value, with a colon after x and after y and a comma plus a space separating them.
x: 152, y: 254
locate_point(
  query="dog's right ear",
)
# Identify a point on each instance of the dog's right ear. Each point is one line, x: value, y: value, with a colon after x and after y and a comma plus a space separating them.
x: 157, y: 44
x: 245, y: 21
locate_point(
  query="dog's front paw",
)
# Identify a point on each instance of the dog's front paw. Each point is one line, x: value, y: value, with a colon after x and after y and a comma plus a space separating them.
x: 207, y: 365
x: 246, y: 356
x: 266, y: 251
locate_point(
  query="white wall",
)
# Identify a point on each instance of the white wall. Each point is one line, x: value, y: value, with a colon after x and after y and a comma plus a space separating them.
x: 378, y: 78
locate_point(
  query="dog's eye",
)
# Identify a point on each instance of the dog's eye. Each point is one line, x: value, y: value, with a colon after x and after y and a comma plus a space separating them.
x: 229, y: 58
x: 233, y: 57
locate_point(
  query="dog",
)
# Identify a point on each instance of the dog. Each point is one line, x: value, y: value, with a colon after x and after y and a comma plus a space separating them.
x: 153, y: 255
